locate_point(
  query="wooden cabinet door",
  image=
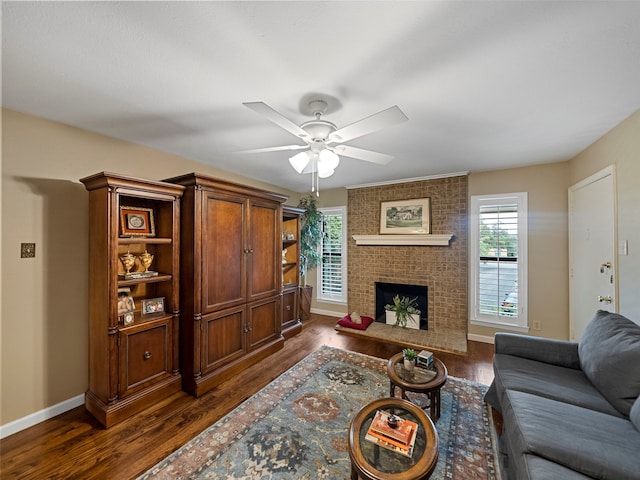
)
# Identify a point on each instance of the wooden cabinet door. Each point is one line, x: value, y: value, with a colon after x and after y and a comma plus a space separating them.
x: 144, y: 355
x: 223, y: 251
x: 265, y: 244
x: 264, y: 321
x: 223, y: 339
x: 289, y: 308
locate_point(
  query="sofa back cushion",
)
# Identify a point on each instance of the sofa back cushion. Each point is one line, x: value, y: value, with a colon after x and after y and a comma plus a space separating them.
x: 609, y: 352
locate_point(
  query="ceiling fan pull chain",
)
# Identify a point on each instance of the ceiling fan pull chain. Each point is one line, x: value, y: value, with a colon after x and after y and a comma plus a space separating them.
x: 315, y: 178
x: 313, y: 181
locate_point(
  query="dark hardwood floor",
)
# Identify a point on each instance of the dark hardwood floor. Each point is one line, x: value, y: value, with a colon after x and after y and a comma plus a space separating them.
x: 74, y: 446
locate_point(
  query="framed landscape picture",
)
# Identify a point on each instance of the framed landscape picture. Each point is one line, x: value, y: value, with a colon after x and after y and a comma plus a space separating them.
x: 404, y: 217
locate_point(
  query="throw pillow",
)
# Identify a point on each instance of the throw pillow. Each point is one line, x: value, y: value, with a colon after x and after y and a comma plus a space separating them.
x: 346, y: 322
x: 609, y: 352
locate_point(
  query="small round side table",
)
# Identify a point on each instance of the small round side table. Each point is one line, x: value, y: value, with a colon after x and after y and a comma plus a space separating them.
x: 373, y: 462
x: 428, y: 381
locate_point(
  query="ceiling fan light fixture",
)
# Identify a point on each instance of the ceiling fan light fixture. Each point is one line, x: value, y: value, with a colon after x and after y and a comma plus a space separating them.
x: 328, y: 159
x: 324, y: 173
x: 299, y: 161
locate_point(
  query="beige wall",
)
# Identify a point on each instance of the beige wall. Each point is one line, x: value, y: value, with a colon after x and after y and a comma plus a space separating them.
x: 548, y: 287
x: 43, y: 357
x: 43, y: 346
x: 620, y: 147
x: 547, y: 186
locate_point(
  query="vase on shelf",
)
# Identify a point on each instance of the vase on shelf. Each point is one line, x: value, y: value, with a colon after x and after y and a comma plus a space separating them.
x: 145, y: 259
x: 128, y: 261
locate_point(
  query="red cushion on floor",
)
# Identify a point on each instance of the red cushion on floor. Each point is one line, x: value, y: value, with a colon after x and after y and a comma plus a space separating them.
x: 346, y: 322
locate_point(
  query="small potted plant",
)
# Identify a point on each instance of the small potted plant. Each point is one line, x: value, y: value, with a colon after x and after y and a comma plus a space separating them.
x: 410, y: 356
x: 405, y: 309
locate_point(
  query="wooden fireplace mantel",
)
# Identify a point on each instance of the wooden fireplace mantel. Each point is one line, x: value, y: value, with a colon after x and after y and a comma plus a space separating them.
x: 422, y: 240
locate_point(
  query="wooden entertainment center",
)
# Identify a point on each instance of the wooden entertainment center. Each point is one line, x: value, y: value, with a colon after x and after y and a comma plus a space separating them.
x: 224, y: 286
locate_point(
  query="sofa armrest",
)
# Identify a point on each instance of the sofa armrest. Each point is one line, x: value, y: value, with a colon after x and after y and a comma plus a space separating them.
x: 556, y: 352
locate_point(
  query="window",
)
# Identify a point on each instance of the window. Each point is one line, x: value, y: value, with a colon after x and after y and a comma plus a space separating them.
x: 498, y: 236
x: 332, y: 270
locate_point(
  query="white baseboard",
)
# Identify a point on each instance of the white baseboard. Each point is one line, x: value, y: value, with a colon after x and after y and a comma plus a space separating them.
x: 37, y: 417
x: 479, y: 338
x: 329, y: 313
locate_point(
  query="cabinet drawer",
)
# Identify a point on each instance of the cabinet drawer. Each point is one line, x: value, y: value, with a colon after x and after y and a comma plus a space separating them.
x: 144, y: 355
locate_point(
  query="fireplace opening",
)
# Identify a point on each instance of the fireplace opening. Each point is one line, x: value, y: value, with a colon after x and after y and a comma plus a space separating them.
x: 386, y: 291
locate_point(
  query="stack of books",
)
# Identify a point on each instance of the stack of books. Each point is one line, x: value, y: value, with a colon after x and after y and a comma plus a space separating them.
x: 400, y: 438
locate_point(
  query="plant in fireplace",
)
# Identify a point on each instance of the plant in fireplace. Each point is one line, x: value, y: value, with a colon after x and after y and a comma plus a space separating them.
x: 405, y: 309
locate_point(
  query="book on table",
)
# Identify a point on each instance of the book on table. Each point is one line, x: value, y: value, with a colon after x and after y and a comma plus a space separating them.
x: 399, y: 439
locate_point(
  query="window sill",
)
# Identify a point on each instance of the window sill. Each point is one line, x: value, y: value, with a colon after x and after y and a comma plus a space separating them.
x: 421, y: 240
x: 500, y: 325
x: 334, y: 301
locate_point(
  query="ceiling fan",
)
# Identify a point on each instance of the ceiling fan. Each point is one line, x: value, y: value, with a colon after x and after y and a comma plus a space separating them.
x: 324, y: 142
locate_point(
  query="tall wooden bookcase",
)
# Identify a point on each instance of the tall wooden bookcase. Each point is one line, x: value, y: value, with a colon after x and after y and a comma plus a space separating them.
x: 231, y: 278
x: 133, y: 345
x: 291, y: 324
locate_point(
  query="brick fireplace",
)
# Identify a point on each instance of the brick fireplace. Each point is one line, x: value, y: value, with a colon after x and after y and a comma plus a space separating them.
x: 442, y: 268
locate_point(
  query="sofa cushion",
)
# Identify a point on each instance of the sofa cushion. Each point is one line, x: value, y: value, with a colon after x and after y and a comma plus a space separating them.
x: 347, y: 322
x: 609, y: 351
x: 539, y: 468
x: 589, y: 442
x: 634, y: 415
x: 547, y: 380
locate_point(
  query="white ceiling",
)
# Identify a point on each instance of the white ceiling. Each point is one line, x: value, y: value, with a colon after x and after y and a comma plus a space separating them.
x: 486, y: 85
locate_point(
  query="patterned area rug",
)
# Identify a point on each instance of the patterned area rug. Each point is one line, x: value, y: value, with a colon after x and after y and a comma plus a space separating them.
x: 297, y: 426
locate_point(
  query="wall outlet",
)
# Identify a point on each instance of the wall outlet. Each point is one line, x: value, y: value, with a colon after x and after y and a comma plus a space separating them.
x: 536, y: 325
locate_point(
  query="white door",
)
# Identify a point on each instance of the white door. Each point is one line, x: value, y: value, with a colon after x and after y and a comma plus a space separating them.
x: 592, y: 256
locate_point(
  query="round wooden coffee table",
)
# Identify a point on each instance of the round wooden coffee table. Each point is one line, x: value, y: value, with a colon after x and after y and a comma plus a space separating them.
x: 373, y: 462
x: 428, y: 381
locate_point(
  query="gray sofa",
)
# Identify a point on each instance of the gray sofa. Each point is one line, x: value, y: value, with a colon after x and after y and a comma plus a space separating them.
x: 570, y: 410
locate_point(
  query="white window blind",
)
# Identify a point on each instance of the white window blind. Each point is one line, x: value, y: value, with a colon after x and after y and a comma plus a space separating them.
x: 332, y: 269
x: 498, y: 249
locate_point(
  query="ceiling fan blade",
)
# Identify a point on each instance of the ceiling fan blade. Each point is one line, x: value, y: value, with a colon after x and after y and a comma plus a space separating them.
x: 274, y: 149
x: 377, y: 121
x: 361, y: 154
x: 275, y: 117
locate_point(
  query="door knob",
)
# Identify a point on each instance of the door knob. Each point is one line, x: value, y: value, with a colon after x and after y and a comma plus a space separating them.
x: 606, y: 299
x: 606, y: 265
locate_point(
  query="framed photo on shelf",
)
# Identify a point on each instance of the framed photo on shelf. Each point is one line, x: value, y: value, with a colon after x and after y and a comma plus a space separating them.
x: 152, y: 305
x: 137, y: 222
x: 126, y: 304
x: 404, y: 217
